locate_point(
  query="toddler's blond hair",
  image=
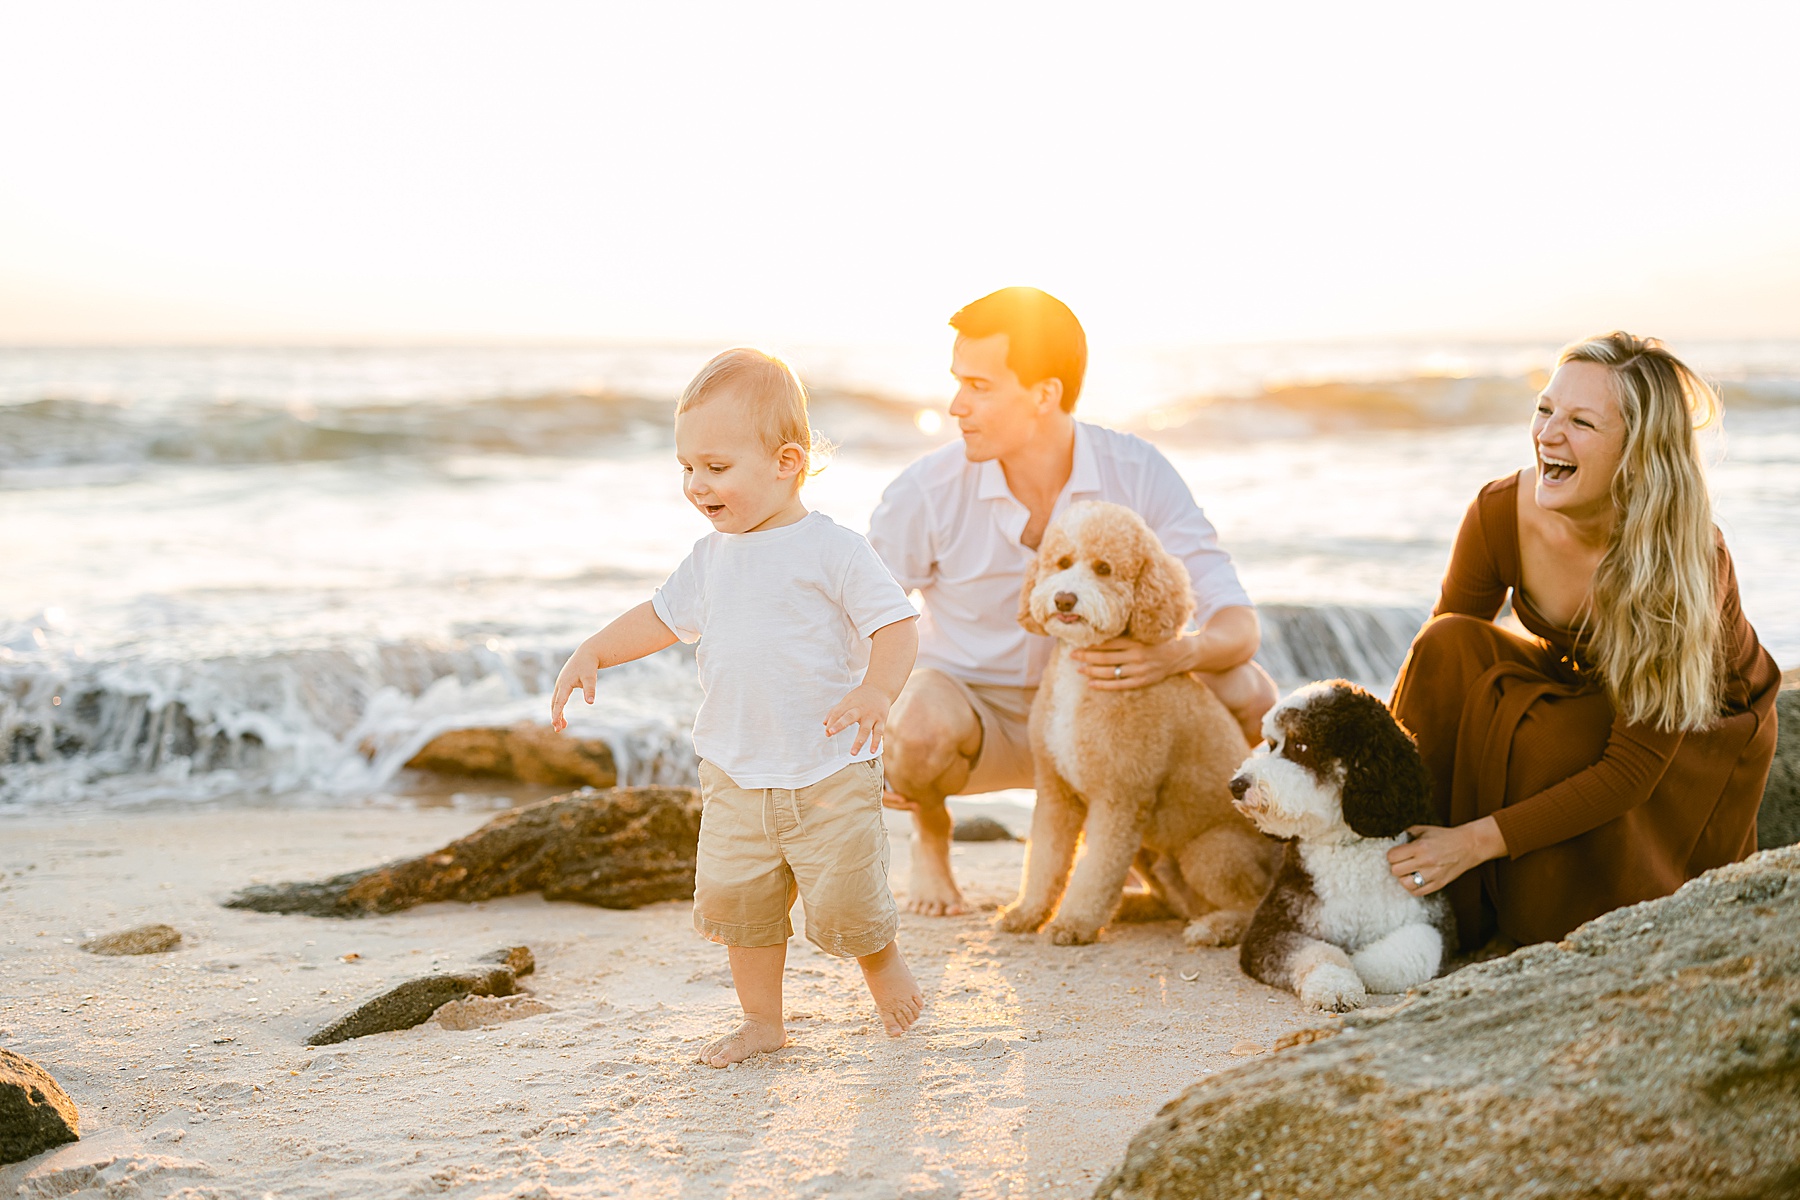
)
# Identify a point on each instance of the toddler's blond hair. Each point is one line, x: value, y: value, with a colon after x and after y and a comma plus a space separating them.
x: 767, y: 384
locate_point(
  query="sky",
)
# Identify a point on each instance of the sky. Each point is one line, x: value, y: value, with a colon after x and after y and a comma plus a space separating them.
x: 1197, y: 173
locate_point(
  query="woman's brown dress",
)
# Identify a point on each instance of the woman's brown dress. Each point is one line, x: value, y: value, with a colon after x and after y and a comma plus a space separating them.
x: 1596, y: 813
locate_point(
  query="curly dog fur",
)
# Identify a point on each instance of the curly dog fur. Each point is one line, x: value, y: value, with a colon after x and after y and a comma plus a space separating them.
x: 1342, y: 782
x: 1133, y: 776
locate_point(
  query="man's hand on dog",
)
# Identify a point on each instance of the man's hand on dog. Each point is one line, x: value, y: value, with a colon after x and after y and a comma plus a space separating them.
x: 1120, y: 664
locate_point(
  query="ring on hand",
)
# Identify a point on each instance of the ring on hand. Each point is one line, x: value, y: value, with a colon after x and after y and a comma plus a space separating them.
x: 1118, y: 671
x: 1418, y: 879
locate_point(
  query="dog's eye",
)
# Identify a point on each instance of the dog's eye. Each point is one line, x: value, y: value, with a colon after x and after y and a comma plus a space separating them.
x: 1301, y: 747
x: 1064, y: 563
x: 1102, y: 568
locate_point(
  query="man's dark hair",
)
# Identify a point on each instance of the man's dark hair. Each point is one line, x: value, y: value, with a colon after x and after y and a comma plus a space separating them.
x: 1043, y: 338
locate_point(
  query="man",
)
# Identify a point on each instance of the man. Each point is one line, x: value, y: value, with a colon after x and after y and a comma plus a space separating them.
x: 961, y: 524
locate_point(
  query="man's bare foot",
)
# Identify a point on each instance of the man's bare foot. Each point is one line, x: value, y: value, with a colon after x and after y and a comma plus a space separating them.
x: 930, y: 890
x: 896, y: 992
x: 750, y: 1037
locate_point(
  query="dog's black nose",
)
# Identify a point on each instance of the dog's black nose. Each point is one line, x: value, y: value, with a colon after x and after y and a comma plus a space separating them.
x: 1065, y: 601
x: 1239, y: 785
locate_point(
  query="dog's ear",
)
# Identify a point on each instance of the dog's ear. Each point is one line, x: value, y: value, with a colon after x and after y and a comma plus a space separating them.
x: 1163, y: 601
x: 1031, y: 623
x: 1386, y: 787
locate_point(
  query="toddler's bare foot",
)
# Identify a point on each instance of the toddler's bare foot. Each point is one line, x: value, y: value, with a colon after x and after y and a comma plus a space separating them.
x: 896, y: 992
x: 750, y: 1037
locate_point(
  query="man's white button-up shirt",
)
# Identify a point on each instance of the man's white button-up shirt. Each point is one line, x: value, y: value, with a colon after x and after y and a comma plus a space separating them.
x: 949, y: 529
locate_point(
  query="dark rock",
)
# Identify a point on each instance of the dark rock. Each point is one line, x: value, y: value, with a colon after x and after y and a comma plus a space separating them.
x: 525, y: 752
x: 145, y: 939
x: 413, y: 1002
x: 519, y: 958
x: 1778, y: 820
x: 620, y: 848
x: 1654, y: 1053
x: 980, y: 829
x: 35, y: 1113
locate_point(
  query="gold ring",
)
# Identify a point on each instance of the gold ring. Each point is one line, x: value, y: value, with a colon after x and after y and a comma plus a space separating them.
x: 1118, y: 671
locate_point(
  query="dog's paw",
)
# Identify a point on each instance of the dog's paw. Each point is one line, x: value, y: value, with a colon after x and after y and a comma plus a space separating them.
x: 1331, y: 988
x: 1066, y: 934
x: 1016, y: 918
x: 1218, y: 928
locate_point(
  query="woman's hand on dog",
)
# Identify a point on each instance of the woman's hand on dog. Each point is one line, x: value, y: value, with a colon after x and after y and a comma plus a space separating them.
x: 1439, y: 854
x: 1120, y: 664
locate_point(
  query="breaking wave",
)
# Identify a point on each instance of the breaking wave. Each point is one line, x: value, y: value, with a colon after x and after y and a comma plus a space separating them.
x: 338, y: 722
x: 61, y: 432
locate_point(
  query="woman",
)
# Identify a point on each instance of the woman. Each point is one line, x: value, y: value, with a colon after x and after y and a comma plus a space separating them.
x: 1624, y: 750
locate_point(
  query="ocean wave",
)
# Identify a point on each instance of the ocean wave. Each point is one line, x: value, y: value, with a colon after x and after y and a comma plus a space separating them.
x: 1413, y: 402
x: 57, y: 440
x: 59, y: 433
x: 336, y: 721
x: 342, y: 721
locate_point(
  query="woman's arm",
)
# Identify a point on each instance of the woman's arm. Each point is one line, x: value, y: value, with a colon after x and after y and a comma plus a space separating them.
x: 1473, y: 582
x: 1633, y: 761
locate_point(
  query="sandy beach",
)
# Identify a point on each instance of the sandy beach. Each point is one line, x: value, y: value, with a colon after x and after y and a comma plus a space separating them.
x: 1031, y: 1069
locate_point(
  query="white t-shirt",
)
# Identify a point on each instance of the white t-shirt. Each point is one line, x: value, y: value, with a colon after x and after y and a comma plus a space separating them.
x: 782, y: 618
x: 949, y: 528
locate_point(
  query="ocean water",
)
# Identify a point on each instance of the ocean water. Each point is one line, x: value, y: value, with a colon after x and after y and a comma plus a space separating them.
x: 269, y: 576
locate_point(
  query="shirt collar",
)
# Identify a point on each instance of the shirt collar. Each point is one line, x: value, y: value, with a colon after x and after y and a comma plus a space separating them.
x: 1084, y: 476
x: 1084, y: 472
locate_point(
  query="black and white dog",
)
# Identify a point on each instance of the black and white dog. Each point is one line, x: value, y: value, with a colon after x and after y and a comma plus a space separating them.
x: 1341, y: 781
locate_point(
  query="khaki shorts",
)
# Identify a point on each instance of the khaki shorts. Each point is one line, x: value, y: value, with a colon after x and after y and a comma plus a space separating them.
x: 761, y: 847
x: 1005, y: 716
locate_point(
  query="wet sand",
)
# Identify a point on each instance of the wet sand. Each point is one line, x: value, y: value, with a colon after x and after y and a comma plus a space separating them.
x: 1031, y: 1069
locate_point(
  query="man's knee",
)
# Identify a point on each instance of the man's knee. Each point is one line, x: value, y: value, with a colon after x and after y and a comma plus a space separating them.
x: 931, y: 732
x: 1246, y: 690
x: 1260, y: 694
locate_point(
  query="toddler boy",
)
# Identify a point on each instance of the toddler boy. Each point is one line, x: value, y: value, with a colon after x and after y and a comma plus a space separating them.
x: 799, y: 625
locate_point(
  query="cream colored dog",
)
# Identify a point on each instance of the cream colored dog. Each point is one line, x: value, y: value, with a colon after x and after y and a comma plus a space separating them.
x: 1142, y: 774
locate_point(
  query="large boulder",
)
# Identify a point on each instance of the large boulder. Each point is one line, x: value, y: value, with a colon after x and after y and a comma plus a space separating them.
x: 1778, y: 821
x: 1654, y: 1053
x: 526, y: 752
x: 35, y: 1113
x: 620, y: 848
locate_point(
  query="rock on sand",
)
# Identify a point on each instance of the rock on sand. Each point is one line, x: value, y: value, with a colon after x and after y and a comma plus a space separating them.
x: 413, y: 1003
x: 619, y: 848
x: 35, y: 1113
x: 1654, y: 1053
x: 145, y: 939
x: 526, y: 752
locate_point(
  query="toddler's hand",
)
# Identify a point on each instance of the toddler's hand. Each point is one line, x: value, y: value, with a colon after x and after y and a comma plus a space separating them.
x: 867, y: 709
x: 581, y: 671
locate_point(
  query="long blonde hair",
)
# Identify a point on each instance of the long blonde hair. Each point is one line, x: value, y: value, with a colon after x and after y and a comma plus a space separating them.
x: 1654, y: 628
